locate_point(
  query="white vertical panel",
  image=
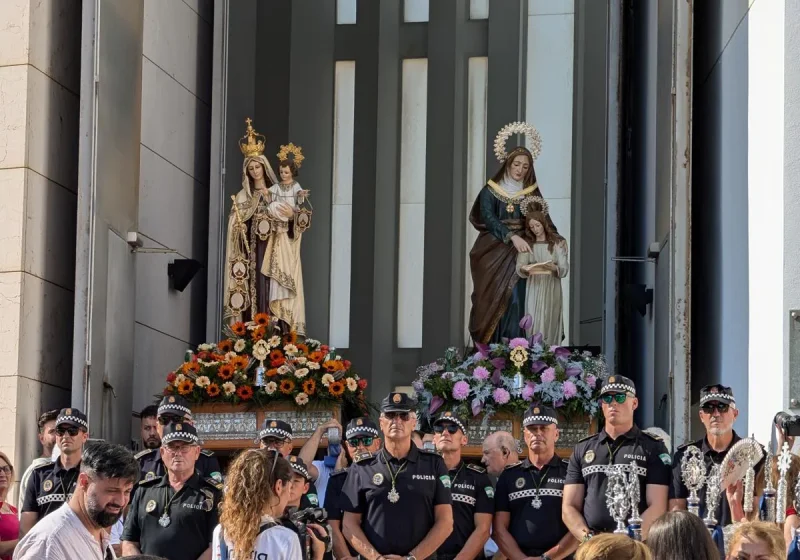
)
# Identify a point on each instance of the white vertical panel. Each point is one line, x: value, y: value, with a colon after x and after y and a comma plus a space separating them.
x: 478, y: 81
x: 412, y: 202
x: 548, y: 104
x: 342, y: 211
x: 415, y: 10
x: 478, y: 9
x: 346, y: 12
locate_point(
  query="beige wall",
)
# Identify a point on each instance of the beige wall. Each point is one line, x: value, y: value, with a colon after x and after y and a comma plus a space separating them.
x: 39, y: 76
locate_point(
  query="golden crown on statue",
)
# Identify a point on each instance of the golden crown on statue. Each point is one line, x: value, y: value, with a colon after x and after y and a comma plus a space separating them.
x: 291, y: 150
x: 252, y: 143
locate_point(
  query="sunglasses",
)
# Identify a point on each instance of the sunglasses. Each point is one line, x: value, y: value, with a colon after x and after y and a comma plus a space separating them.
x: 168, y: 419
x: 72, y: 430
x: 709, y: 408
x: 440, y: 428
x: 366, y: 441
x: 401, y: 415
x: 618, y: 397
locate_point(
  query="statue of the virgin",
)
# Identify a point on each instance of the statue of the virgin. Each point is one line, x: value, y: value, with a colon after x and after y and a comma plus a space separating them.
x: 498, y: 297
x: 265, y: 230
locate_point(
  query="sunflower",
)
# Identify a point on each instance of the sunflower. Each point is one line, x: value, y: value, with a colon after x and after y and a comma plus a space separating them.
x: 245, y: 392
x: 302, y: 349
x: 309, y: 386
x: 185, y: 387
x: 240, y: 362
x: 191, y: 367
x: 336, y: 388
x: 213, y: 390
x: 225, y: 371
x: 258, y: 334
x: 330, y: 366
x: 225, y: 346
x: 290, y: 338
x: 287, y: 386
x: 275, y: 354
x: 272, y: 372
x: 261, y: 319
x: 316, y: 356
x: 239, y: 329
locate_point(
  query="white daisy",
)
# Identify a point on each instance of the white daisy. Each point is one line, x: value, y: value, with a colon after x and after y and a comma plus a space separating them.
x: 300, y: 373
x: 301, y: 399
x: 202, y: 381
x: 229, y: 388
x: 327, y: 379
x: 352, y: 385
x: 290, y: 349
x: 312, y: 365
x: 270, y: 387
x: 239, y: 345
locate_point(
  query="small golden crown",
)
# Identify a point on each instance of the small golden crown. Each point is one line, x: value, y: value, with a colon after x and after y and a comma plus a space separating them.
x: 252, y: 143
x: 396, y: 398
x: 178, y: 427
x: 295, y: 151
x: 68, y: 412
x: 359, y: 422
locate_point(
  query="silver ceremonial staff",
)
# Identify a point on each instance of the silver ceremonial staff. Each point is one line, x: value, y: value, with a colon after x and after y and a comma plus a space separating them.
x: 693, y: 472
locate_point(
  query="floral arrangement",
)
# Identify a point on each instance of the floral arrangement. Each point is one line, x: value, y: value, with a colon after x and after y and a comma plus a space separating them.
x: 255, y: 364
x: 509, y: 377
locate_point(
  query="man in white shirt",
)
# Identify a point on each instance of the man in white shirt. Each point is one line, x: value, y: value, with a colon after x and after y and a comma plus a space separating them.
x: 78, y: 530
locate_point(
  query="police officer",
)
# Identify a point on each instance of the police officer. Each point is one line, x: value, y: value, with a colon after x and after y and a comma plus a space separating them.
x: 175, y: 409
x: 53, y: 483
x: 362, y: 440
x: 175, y: 515
x: 717, y: 413
x: 528, y: 498
x: 621, y: 442
x: 473, y: 496
x: 277, y: 435
x: 303, y: 494
x: 398, y: 501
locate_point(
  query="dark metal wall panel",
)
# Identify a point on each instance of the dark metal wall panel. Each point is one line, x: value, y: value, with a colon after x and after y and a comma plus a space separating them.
x: 273, y: 75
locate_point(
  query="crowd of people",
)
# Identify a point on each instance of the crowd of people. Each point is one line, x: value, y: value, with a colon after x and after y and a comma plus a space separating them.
x: 386, y: 493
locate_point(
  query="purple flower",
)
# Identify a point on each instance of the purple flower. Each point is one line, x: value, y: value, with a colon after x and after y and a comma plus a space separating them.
x: 518, y: 342
x: 461, y: 390
x: 548, y: 375
x: 483, y: 348
x: 478, y: 356
x: 528, y: 391
x: 499, y: 363
x: 436, y: 402
x: 538, y: 366
x: 574, y: 370
x: 526, y: 323
x: 560, y: 352
x: 559, y: 403
x: 447, y: 375
x: 570, y: 390
x: 418, y: 386
x: 477, y: 406
x: 481, y: 373
x: 590, y: 381
x: 538, y: 338
x: 497, y: 377
x: 501, y: 396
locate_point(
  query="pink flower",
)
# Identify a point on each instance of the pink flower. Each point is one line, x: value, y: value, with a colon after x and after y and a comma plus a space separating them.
x: 478, y: 356
x: 481, y: 373
x: 548, y: 375
x: 590, y: 381
x: 570, y: 390
x: 515, y: 342
x: 501, y: 396
x: 527, y: 391
x: 461, y: 390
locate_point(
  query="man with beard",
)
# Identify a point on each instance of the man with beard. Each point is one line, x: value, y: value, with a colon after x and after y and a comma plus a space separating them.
x: 47, y: 438
x: 718, y: 412
x: 151, y: 439
x: 53, y: 483
x: 175, y: 515
x: 171, y: 410
x: 78, y: 529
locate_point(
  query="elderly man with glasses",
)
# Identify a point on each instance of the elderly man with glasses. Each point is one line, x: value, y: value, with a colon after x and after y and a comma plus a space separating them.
x: 718, y: 412
x: 397, y: 503
x: 642, y: 456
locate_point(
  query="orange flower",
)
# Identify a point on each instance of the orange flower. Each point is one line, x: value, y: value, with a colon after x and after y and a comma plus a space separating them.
x: 212, y: 390
x: 330, y: 366
x: 225, y: 346
x: 309, y: 386
x: 290, y: 338
x: 185, y: 387
x: 225, y: 371
x: 302, y: 349
x: 239, y: 329
x: 261, y: 319
x: 245, y: 392
x: 336, y: 388
x: 240, y: 362
x: 191, y: 367
x: 316, y: 356
x: 272, y: 372
x: 277, y: 363
x: 275, y: 354
x: 258, y: 334
x: 287, y: 386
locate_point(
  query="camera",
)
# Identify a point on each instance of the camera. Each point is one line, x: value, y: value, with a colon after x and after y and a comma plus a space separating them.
x: 301, y: 518
x: 789, y: 424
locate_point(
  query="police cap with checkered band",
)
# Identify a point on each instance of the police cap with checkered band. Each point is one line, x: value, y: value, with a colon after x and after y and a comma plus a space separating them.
x: 361, y: 426
x: 72, y: 417
x: 299, y: 466
x: 180, y: 431
x: 717, y: 392
x: 398, y: 402
x: 276, y: 428
x: 174, y: 405
x: 618, y: 384
x: 449, y: 416
x: 539, y: 415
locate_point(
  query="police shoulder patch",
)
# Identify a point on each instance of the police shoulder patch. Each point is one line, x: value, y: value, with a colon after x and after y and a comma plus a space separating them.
x: 215, y: 483
x: 207, y: 452
x: 652, y: 436
x: 48, y: 464
x: 512, y: 465
x: 363, y: 458
x: 430, y: 452
x: 143, y: 453
x: 587, y: 438
x: 666, y: 459
x: 148, y: 480
x: 476, y: 468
